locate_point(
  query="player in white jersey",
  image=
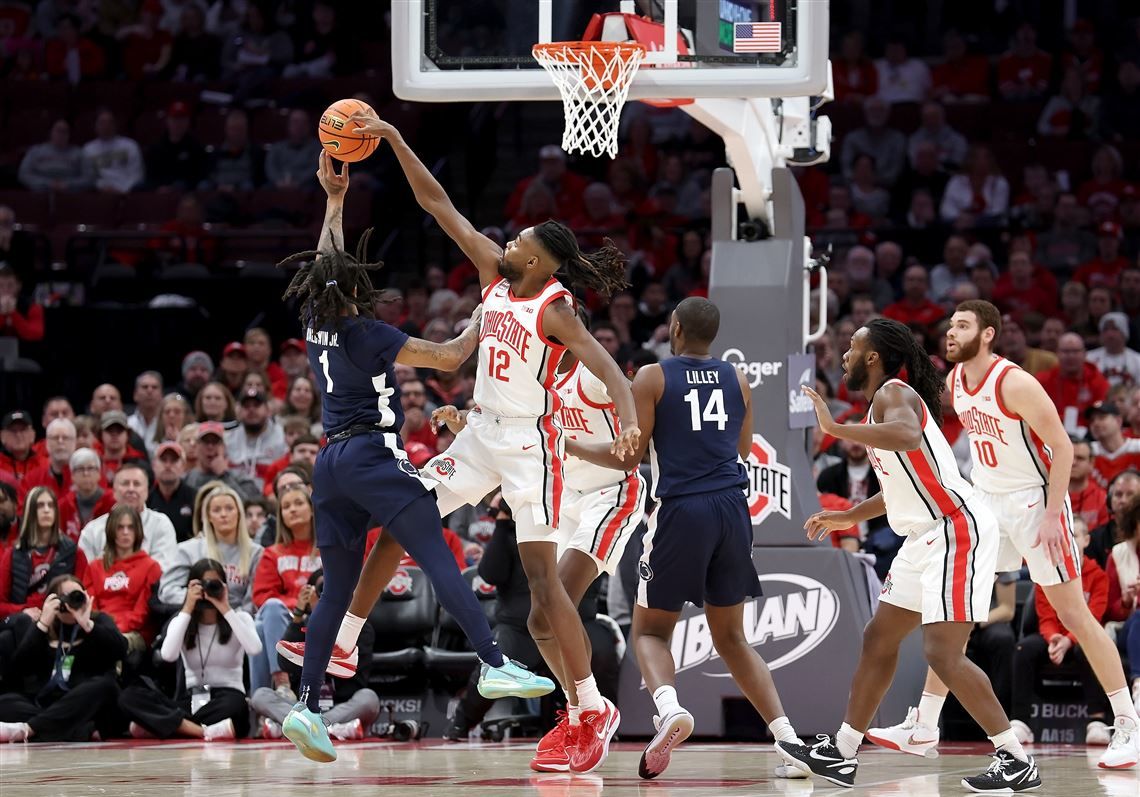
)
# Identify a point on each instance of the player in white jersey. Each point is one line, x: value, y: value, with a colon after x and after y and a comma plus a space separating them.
x: 940, y: 578
x: 601, y: 507
x: 513, y: 438
x: 1022, y: 457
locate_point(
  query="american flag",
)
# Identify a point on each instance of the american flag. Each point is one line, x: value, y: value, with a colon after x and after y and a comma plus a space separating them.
x: 756, y: 37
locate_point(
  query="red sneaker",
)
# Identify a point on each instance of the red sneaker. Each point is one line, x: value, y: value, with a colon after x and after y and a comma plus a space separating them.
x: 592, y: 744
x: 552, y: 753
x: 341, y: 665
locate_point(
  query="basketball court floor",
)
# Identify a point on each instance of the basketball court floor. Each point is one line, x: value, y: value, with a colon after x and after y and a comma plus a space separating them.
x: 273, y: 769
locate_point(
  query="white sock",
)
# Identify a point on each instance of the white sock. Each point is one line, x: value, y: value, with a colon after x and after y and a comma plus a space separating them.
x: 574, y: 713
x: 848, y: 740
x: 1008, y: 742
x: 665, y: 698
x: 349, y: 632
x: 782, y: 729
x: 930, y: 709
x: 589, y: 698
x: 1122, y: 705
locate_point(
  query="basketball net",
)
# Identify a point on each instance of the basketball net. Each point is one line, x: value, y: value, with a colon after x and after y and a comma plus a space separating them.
x: 593, y: 78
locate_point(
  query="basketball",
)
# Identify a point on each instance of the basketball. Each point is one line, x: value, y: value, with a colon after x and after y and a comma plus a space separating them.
x: 336, y: 136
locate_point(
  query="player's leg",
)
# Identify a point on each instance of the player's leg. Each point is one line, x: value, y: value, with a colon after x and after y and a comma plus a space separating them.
x: 577, y: 571
x: 652, y: 634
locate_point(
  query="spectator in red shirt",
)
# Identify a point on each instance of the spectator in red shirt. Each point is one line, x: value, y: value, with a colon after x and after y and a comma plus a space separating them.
x: 1113, y: 453
x: 18, y: 317
x: 1023, y: 71
x: 146, y: 49
x: 1057, y: 644
x: 1018, y: 291
x: 87, y: 499
x: 1073, y: 384
x: 72, y: 56
x: 116, y: 445
x: 259, y: 353
x: 1104, y: 270
x: 56, y: 473
x: 123, y: 580
x: 915, y: 307
x: 1083, y: 55
x: 962, y: 76
x: 1088, y: 499
x: 853, y: 73
x: 282, y: 572
x: 1106, y: 183
x: 188, y: 240
x: 40, y: 555
x: 565, y: 185
x: 17, y: 457
x: 292, y: 358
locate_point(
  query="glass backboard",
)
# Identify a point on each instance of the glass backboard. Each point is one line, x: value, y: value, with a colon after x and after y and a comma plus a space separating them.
x: 476, y: 50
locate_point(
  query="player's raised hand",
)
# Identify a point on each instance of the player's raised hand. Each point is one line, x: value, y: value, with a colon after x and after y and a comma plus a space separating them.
x: 822, y: 413
x: 625, y: 445
x: 449, y: 416
x: 823, y: 523
x: 333, y: 183
x: 1051, y: 536
x: 368, y: 123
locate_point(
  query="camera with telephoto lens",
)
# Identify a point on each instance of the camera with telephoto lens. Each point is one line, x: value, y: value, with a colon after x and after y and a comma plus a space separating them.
x: 214, y: 588
x: 74, y: 600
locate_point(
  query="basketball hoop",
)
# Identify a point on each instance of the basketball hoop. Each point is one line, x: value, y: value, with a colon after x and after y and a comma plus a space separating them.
x: 593, y: 78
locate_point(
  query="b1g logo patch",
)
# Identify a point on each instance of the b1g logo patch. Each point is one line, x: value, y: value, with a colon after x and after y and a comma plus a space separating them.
x: 444, y: 466
x: 769, y: 482
x: 407, y: 467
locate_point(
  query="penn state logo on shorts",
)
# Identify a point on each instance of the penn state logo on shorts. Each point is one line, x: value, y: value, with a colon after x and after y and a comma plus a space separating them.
x: 644, y: 570
x: 444, y: 466
x: 407, y: 467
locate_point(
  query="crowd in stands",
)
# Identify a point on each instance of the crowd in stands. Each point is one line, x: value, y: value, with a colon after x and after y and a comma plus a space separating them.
x: 999, y: 168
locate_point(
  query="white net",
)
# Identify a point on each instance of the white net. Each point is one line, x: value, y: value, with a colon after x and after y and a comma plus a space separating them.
x: 593, y: 79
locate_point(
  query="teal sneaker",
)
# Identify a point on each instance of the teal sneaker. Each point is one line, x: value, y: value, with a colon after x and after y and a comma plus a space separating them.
x: 511, y: 680
x: 307, y: 730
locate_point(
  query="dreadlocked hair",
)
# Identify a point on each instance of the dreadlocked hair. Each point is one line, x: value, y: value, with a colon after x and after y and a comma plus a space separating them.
x: 329, y: 283
x: 602, y: 271
x: 897, y: 347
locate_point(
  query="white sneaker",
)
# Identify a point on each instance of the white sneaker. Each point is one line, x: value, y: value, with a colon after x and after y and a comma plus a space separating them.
x: 346, y: 731
x: 13, y: 732
x: 909, y: 736
x: 139, y: 732
x: 270, y: 729
x: 1097, y: 734
x: 672, y: 729
x: 219, y: 731
x: 1124, y: 750
x: 1021, y: 732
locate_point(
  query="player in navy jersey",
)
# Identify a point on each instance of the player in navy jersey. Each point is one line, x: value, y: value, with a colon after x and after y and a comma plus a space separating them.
x: 695, y: 412
x: 363, y: 473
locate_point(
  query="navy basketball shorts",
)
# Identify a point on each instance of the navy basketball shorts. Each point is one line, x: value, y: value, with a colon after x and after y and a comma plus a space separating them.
x: 698, y: 548
x: 358, y: 483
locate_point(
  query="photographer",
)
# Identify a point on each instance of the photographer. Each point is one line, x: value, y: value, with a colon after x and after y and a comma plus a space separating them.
x: 281, y: 574
x: 348, y: 705
x: 68, y: 659
x: 213, y: 640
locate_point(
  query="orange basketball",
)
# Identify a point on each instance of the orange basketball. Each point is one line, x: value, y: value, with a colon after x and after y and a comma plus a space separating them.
x: 336, y: 132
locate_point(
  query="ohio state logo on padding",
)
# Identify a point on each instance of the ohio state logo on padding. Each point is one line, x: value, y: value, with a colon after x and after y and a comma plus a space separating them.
x: 444, y: 466
x: 401, y: 584
x: 769, y: 482
x: 482, y: 588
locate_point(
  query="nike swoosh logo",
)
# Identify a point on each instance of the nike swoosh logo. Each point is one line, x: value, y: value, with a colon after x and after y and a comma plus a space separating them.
x: 1013, y: 777
x: 528, y: 448
x: 931, y: 542
x: 1035, y: 503
x: 912, y: 740
x: 819, y: 757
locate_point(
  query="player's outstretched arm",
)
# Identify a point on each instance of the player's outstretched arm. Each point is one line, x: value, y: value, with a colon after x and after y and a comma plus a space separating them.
x: 647, y: 388
x: 1023, y: 395
x: 336, y: 186
x: 482, y: 251
x: 561, y: 323
x: 823, y: 523
x: 899, y: 428
x: 446, y: 356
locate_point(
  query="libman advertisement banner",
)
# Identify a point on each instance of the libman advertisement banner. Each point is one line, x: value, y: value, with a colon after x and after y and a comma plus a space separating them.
x: 807, y: 626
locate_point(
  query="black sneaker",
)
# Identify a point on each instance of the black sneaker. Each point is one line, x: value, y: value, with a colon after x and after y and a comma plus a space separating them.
x: 1006, y: 775
x: 457, y: 729
x: 822, y: 758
